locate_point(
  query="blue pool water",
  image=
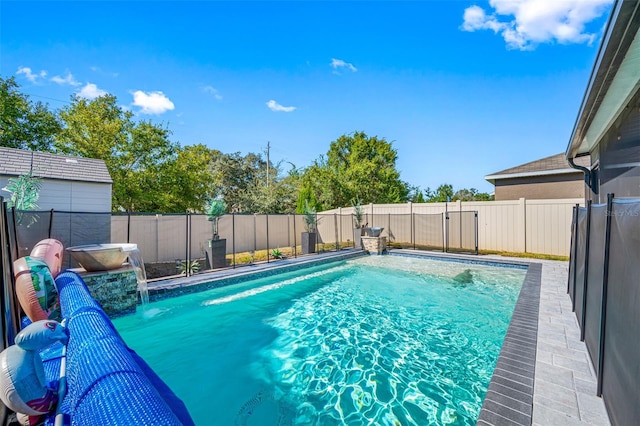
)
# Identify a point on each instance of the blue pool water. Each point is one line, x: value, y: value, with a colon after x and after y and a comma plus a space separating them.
x: 376, y: 340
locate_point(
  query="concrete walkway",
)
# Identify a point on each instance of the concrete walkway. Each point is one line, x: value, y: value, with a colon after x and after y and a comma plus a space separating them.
x: 565, y: 381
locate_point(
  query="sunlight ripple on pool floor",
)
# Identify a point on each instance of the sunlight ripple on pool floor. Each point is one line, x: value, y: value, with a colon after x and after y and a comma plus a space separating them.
x: 374, y: 340
x: 349, y: 353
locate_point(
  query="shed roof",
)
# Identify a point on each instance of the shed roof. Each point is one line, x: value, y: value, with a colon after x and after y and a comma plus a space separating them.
x: 16, y: 162
x: 553, y: 165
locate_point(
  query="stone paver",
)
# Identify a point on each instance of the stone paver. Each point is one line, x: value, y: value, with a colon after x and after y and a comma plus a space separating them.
x: 565, y: 381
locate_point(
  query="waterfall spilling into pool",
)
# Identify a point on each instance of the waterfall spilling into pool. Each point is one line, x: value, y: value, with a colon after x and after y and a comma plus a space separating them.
x: 135, y: 259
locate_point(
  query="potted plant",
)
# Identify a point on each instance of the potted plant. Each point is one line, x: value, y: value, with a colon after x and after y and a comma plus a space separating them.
x: 309, y: 237
x: 217, y: 248
x: 358, y: 218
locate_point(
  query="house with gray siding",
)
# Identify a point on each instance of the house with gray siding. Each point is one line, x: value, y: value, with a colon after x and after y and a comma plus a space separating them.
x: 544, y: 179
x: 71, y: 184
x: 608, y: 125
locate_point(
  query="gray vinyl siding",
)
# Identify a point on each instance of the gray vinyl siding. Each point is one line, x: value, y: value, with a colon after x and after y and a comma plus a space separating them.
x: 70, y: 196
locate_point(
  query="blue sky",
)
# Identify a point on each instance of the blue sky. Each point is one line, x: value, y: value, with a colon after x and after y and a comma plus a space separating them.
x: 461, y: 88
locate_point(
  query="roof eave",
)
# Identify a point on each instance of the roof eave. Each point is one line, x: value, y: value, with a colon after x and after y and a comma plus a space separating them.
x: 492, y: 178
x: 620, y: 32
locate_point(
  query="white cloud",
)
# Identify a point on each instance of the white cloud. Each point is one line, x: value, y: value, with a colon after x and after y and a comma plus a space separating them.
x: 274, y: 106
x: 30, y: 75
x: 152, y: 102
x: 526, y: 23
x: 339, y: 63
x: 68, y: 79
x: 212, y: 91
x: 91, y: 91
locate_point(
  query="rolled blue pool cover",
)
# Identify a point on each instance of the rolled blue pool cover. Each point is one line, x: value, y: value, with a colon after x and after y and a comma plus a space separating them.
x: 107, y: 382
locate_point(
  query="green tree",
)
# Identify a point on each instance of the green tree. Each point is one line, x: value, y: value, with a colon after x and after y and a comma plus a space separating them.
x: 306, y: 198
x: 357, y: 165
x: 24, y: 124
x: 232, y: 177
x: 187, y: 180
x: 443, y: 193
x: 138, y: 155
x: 471, y: 195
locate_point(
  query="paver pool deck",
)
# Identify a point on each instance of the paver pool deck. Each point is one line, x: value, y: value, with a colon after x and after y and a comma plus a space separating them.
x: 564, y: 381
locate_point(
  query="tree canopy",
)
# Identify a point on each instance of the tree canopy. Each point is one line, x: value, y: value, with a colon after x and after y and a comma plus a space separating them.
x: 24, y: 124
x: 445, y: 192
x: 357, y: 165
x: 151, y: 173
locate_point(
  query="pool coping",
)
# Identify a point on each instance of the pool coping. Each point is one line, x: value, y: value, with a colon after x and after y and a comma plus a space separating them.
x: 509, y: 399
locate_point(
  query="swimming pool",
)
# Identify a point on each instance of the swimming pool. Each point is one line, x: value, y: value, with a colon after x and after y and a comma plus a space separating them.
x: 380, y: 340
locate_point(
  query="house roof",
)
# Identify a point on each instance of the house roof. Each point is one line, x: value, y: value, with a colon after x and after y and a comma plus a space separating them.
x: 613, y: 88
x: 552, y: 165
x: 16, y: 162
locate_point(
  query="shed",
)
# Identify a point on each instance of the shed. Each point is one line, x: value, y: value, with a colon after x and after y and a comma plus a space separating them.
x: 72, y: 184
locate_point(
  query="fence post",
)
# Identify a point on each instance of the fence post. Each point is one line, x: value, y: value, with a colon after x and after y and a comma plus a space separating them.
x: 10, y: 306
x: 446, y: 231
x: 443, y: 231
x: 605, y: 284
x: 413, y: 230
x: 522, y: 232
x: 572, y: 249
x: 340, y: 227
x: 255, y: 233
x: 128, y: 226
x: 50, y: 223
x: 186, y: 245
x: 15, y: 231
x: 267, y: 228
x: 586, y: 272
x: 233, y: 239
x: 295, y: 238
x: 476, y: 226
x: 335, y: 224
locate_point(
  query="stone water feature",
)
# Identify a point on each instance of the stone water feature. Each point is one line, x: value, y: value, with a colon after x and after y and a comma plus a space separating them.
x: 372, y: 242
x: 112, y: 282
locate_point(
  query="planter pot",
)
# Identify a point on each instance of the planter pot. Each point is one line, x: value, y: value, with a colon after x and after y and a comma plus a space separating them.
x: 216, y: 253
x: 357, y: 237
x: 309, y: 242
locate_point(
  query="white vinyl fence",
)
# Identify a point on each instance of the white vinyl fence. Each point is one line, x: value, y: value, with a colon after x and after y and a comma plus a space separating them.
x: 520, y: 226
x: 533, y: 226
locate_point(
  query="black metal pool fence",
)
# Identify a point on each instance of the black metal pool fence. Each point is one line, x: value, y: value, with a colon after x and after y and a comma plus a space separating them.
x: 604, y: 287
x: 168, y: 242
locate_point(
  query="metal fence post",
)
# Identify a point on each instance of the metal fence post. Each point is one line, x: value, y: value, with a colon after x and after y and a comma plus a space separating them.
x: 233, y: 239
x: 476, y: 226
x: 605, y: 284
x: 186, y: 245
x: 10, y: 305
x: 50, y: 223
x: 15, y: 230
x: 586, y: 273
x: 572, y: 249
x: 128, y: 226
